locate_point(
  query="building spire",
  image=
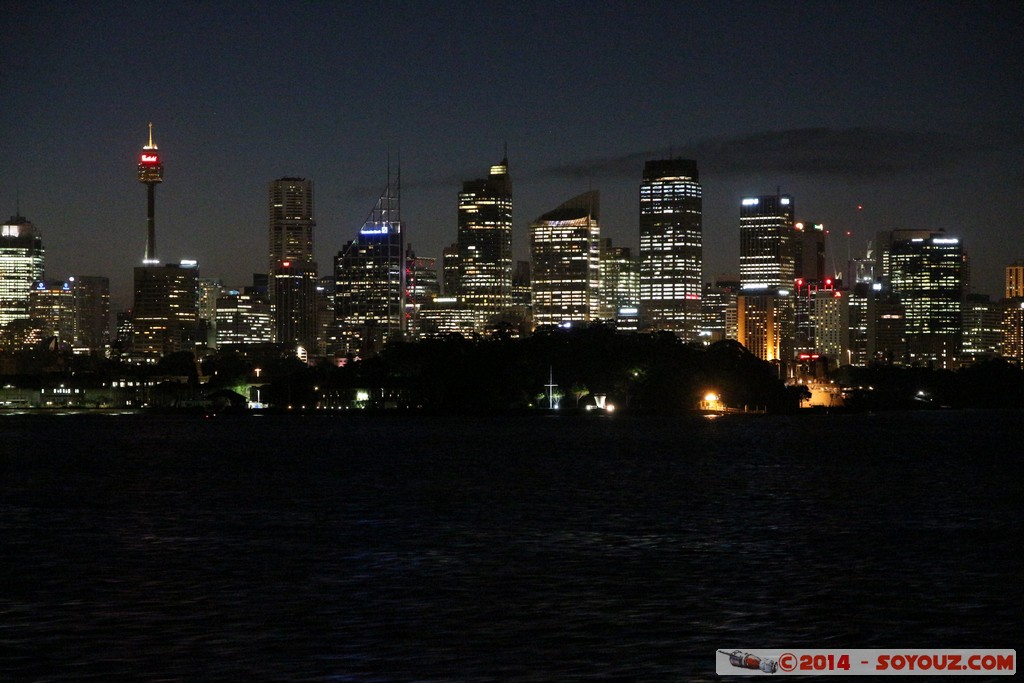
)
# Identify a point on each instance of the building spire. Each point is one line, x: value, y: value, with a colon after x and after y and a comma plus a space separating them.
x: 150, y: 145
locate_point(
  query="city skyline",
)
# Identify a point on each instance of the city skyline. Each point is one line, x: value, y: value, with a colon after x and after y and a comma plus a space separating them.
x: 910, y: 112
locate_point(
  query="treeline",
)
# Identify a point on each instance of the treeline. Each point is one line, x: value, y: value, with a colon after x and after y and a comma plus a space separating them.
x: 638, y: 372
x: 990, y: 383
x: 652, y: 373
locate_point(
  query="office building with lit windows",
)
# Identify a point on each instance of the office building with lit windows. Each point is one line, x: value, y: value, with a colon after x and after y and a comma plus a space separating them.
x: 764, y: 324
x: 831, y: 315
x: 671, y: 247
x: 566, y: 256
x: 765, y: 313
x: 370, y: 277
x: 767, y: 242
x: 444, y: 316
x: 165, y: 314
x: 243, y: 318
x: 620, y: 280
x: 1015, y: 280
x: 21, y: 265
x: 926, y: 271
x: 209, y: 290
x: 982, y: 327
x: 52, y: 308
x: 485, y: 243
x: 718, y: 311
x: 1011, y: 344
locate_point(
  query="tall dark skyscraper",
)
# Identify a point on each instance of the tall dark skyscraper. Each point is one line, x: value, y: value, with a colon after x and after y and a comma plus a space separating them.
x: 290, y: 209
x: 671, y: 246
x: 293, y: 272
x: 92, y: 313
x: 165, y: 316
x: 485, y: 242
x: 766, y: 242
x: 151, y: 173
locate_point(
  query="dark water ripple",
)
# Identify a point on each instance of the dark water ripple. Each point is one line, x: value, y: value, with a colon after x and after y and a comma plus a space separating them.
x: 533, y: 549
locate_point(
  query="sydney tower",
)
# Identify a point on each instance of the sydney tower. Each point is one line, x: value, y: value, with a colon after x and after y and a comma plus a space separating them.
x: 151, y: 172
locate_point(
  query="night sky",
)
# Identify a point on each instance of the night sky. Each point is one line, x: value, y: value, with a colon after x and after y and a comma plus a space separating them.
x: 913, y: 110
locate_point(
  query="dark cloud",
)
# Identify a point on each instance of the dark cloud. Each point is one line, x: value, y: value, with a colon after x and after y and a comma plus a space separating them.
x: 858, y: 153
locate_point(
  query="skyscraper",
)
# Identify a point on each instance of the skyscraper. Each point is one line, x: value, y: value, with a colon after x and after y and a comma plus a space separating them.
x: 166, y: 312
x: 370, y: 275
x: 209, y: 289
x: 764, y: 324
x: 1015, y: 280
x: 926, y: 272
x: 809, y: 252
x: 671, y: 246
x: 92, y: 313
x: 290, y: 209
x: 620, y: 280
x: 1012, y: 342
x: 243, y: 318
x: 765, y: 316
x: 982, y: 327
x: 421, y: 286
x: 293, y: 272
x: 485, y: 242
x: 766, y: 242
x: 151, y: 173
x: 566, y: 273
x: 718, y: 310
x: 450, y: 271
x: 52, y: 307
x: 21, y: 264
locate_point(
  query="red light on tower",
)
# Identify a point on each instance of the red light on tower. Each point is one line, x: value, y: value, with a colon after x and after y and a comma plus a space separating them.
x: 150, y: 168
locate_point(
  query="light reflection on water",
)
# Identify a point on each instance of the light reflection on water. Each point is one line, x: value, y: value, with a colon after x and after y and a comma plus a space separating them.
x: 390, y: 548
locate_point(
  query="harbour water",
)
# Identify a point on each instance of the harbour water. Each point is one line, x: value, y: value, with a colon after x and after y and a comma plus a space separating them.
x: 401, y: 548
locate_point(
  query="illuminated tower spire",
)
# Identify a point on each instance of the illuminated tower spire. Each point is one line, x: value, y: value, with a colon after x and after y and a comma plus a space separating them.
x: 151, y: 172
